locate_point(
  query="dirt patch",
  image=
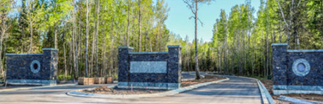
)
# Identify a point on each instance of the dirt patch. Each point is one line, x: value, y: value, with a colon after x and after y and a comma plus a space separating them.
x: 310, y: 97
x: 269, y: 85
x: 123, y: 91
x: 206, y: 79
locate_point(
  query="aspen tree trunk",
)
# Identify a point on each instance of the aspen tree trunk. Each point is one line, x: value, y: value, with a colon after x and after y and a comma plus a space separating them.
x: 70, y: 55
x: 161, y: 39
x: 151, y: 49
x: 156, y: 38
x: 111, y: 47
x: 97, y: 33
x: 75, y: 42
x: 31, y: 37
x: 65, y: 66
x: 128, y: 23
x: 73, y: 36
x: 3, y: 32
x: 197, y: 70
x: 243, y: 53
x: 264, y: 57
x: 93, y: 49
x: 111, y: 52
x: 104, y: 55
x: 87, y: 37
x: 92, y: 54
x: 279, y: 33
x: 146, y: 41
x: 55, y: 38
x: 239, y: 58
x: 78, y: 46
x: 139, y: 38
x: 267, y: 53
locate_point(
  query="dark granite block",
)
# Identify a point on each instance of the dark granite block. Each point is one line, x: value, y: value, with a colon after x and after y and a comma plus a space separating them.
x: 153, y: 78
x: 35, y: 68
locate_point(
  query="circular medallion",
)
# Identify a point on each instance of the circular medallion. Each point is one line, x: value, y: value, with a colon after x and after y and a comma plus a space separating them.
x: 301, y: 67
x: 35, y: 66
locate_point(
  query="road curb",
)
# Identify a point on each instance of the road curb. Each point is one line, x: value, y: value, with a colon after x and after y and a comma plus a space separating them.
x: 298, y: 101
x: 267, y: 99
x: 28, y: 88
x: 76, y: 93
x: 265, y: 96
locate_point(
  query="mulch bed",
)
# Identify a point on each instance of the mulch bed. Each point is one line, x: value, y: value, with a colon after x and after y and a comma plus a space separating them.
x: 269, y: 85
x: 123, y: 91
x: 206, y: 79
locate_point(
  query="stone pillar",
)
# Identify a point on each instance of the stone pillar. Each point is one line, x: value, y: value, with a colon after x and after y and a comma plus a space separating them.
x: 174, y: 64
x: 279, y: 66
x: 124, y: 65
x: 50, y: 58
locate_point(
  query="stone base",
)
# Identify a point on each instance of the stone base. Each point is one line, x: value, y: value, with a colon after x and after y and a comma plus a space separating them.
x: 297, y: 89
x: 30, y: 82
x: 150, y: 85
x: 279, y: 92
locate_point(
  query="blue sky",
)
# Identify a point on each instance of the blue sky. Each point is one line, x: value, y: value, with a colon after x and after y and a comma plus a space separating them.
x: 179, y: 23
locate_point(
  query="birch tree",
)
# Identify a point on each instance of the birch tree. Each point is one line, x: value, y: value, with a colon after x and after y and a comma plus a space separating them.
x: 193, y: 6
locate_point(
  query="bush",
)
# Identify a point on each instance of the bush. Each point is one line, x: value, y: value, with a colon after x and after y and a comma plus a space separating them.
x: 61, y: 77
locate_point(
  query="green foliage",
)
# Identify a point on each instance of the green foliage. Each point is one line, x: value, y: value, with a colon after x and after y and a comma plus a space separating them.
x: 239, y: 43
x: 61, y: 77
x: 67, y: 19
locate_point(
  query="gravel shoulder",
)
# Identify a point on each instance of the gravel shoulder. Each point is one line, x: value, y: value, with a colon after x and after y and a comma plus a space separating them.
x: 309, y: 97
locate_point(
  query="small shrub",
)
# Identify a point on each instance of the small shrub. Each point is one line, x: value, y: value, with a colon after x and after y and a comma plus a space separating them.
x: 61, y: 77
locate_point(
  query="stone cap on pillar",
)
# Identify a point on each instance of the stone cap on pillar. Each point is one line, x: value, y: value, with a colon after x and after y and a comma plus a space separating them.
x: 49, y: 49
x: 125, y: 47
x: 174, y: 46
x: 279, y: 44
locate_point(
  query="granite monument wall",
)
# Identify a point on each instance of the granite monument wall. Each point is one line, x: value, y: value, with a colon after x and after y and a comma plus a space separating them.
x: 297, y: 71
x: 35, y: 69
x: 153, y: 70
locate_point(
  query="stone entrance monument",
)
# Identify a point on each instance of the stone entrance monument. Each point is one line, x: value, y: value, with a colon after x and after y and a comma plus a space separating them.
x: 297, y: 71
x: 153, y: 70
x: 34, y: 69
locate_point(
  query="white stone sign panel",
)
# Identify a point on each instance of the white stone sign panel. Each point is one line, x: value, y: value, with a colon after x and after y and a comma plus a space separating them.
x: 148, y: 67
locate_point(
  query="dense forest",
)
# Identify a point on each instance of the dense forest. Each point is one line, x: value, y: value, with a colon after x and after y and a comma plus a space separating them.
x: 88, y: 32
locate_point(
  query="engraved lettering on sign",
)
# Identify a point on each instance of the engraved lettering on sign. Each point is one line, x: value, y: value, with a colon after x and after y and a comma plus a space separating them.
x: 148, y: 66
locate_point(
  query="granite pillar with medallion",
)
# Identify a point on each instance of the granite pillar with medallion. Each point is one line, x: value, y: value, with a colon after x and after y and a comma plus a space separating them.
x: 297, y: 71
x: 32, y: 69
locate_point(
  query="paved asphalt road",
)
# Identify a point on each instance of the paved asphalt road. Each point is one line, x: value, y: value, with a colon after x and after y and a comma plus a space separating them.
x: 236, y: 91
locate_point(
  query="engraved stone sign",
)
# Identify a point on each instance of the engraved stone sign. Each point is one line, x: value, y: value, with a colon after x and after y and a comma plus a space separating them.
x: 153, y: 70
x: 148, y: 66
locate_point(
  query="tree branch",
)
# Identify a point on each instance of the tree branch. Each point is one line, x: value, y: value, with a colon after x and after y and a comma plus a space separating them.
x: 200, y: 22
x: 281, y: 10
x: 299, y: 3
x: 191, y: 6
x: 191, y: 17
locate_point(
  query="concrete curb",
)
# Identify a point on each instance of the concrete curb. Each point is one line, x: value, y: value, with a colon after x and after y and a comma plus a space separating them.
x: 265, y: 96
x: 298, y: 101
x: 27, y: 88
x: 168, y: 93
